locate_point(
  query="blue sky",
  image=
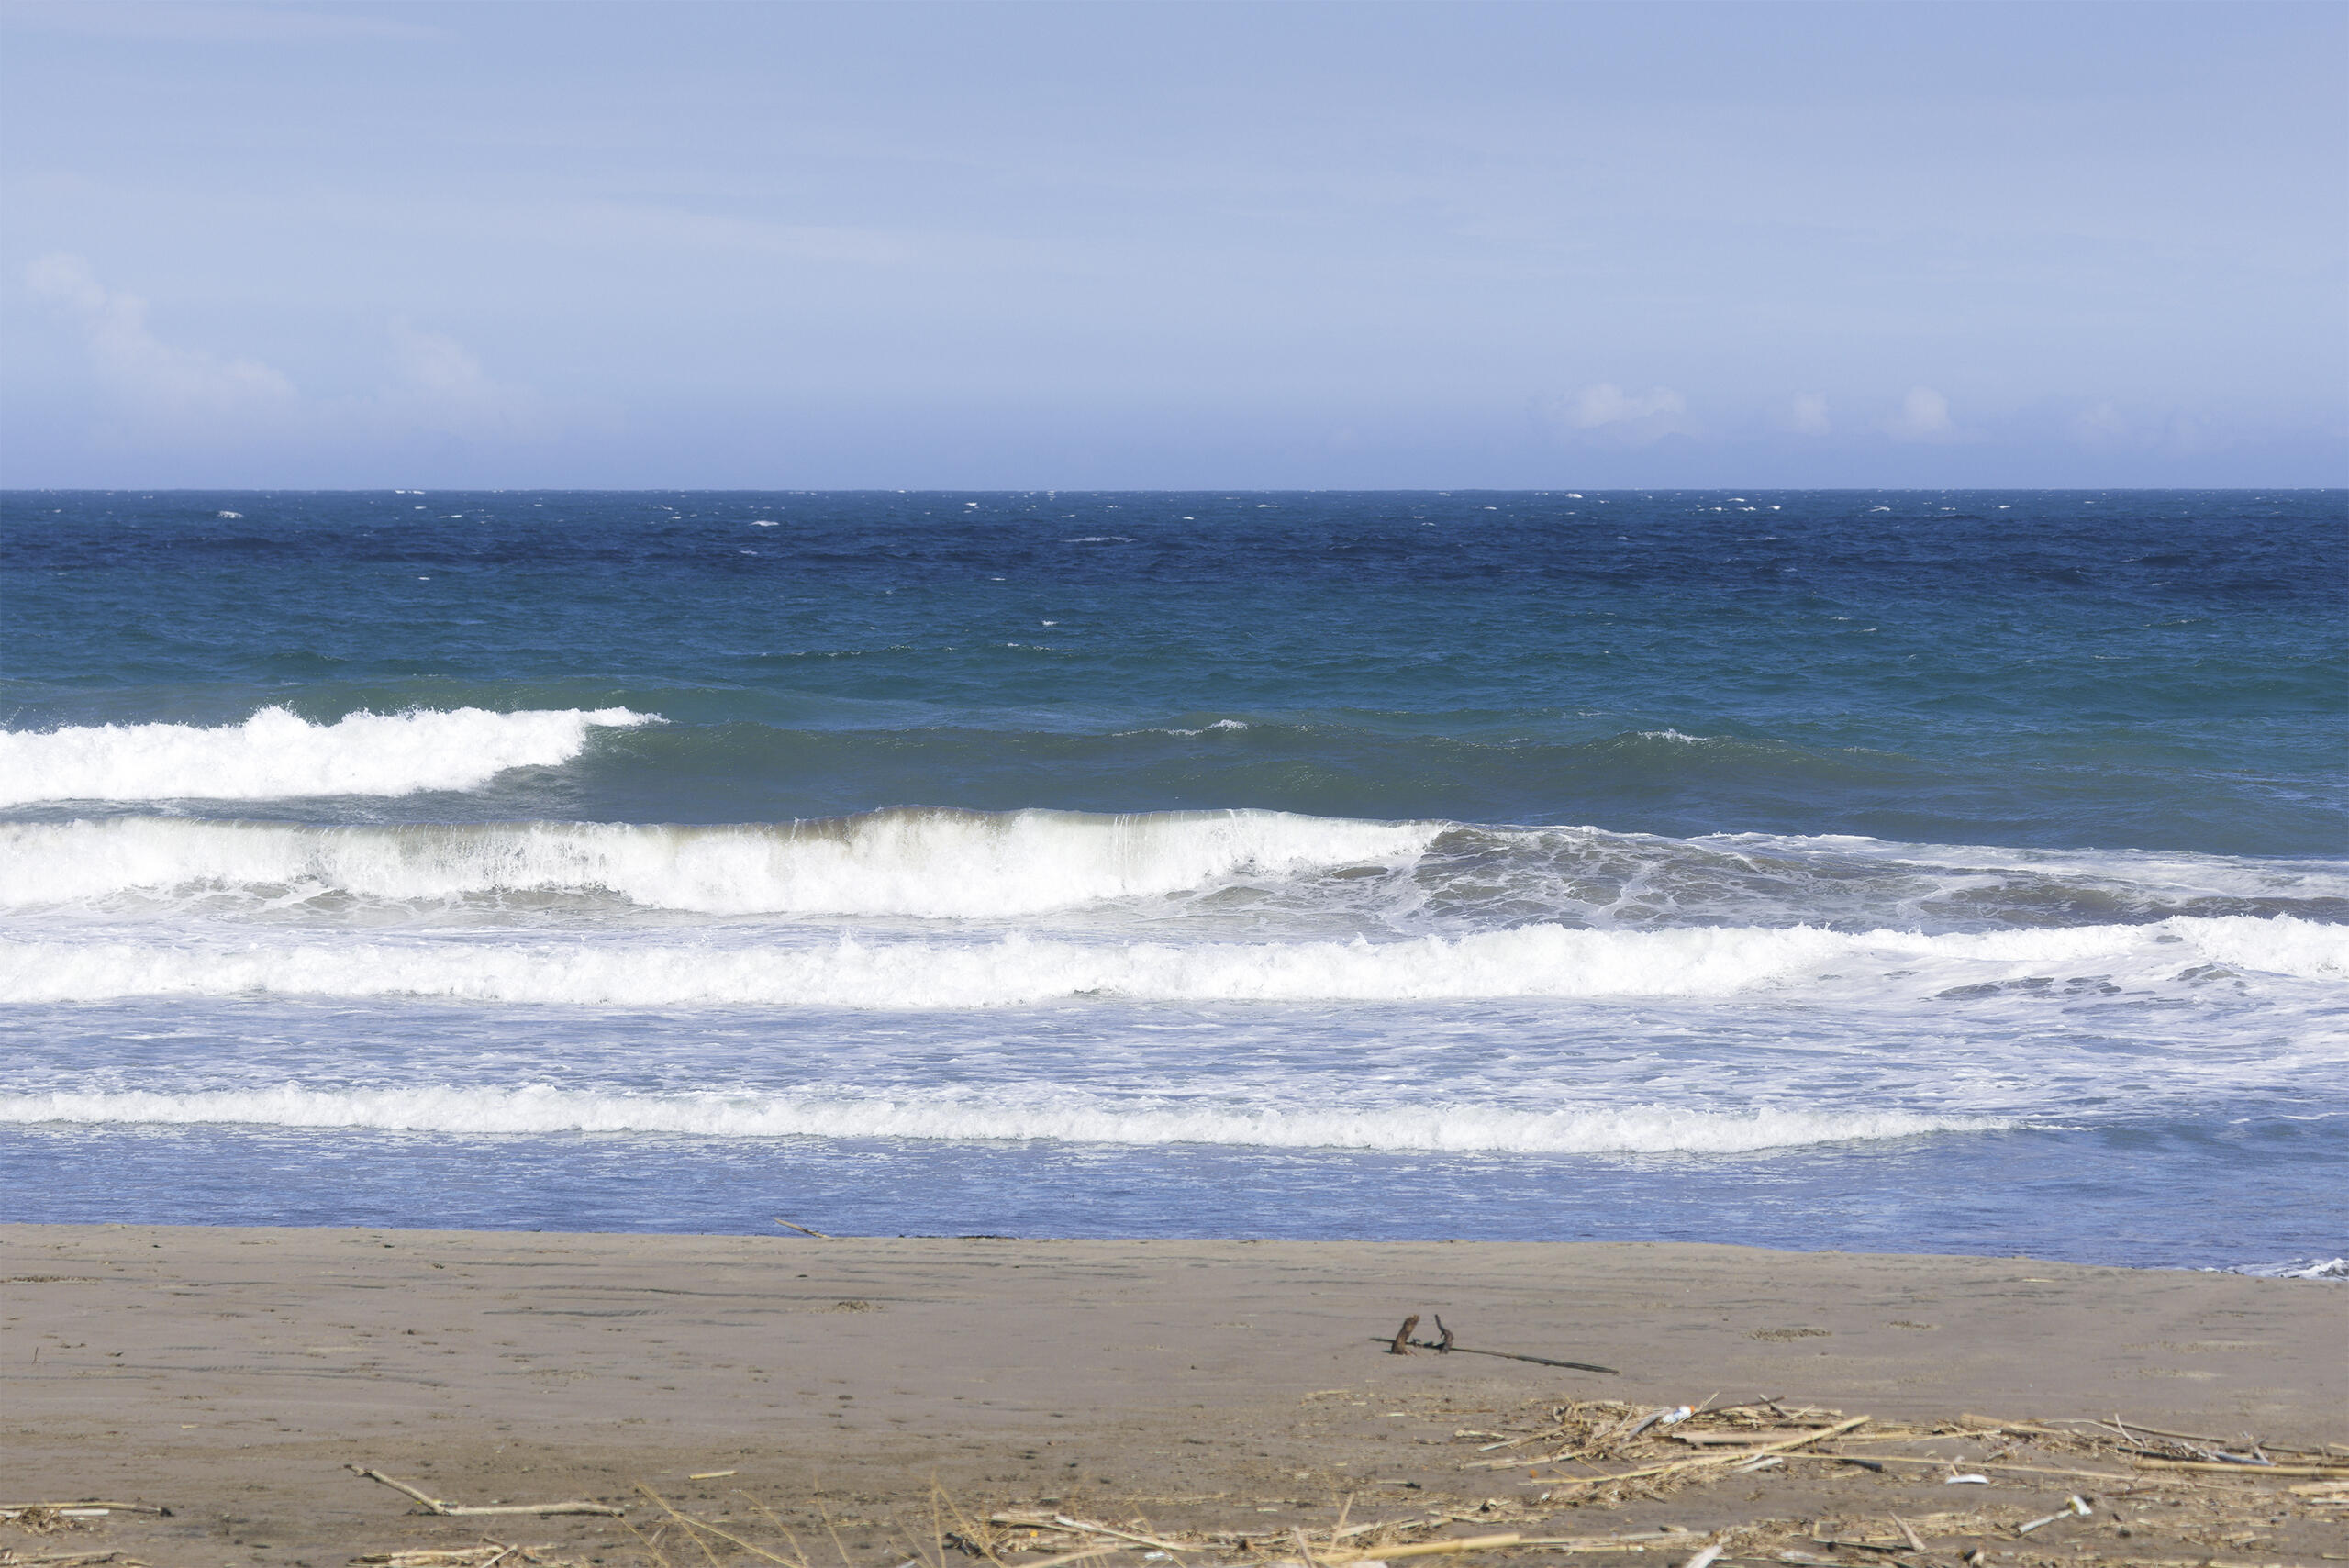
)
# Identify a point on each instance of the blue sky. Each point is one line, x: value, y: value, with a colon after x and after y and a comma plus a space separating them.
x: 1138, y: 245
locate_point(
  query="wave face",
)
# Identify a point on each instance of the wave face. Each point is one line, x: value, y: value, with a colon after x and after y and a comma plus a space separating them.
x: 276, y: 754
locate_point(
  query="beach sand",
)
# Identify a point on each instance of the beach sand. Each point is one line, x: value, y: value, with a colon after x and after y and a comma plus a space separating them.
x: 233, y: 1374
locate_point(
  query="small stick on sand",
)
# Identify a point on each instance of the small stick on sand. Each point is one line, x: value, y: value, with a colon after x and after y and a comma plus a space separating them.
x: 1397, y: 1347
x: 1068, y: 1525
x: 803, y: 1229
x: 2208, y: 1468
x: 458, y: 1510
x: 1079, y: 1555
x: 1436, y: 1547
x: 1681, y: 1466
x: 691, y: 1523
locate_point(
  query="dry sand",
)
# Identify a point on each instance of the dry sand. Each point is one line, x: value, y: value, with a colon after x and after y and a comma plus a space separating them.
x: 233, y: 1373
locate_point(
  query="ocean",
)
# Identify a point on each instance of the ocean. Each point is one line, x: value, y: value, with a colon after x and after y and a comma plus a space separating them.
x: 1907, y: 870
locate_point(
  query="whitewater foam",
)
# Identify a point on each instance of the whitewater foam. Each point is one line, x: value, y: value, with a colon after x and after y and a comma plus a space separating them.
x: 277, y: 754
x: 1542, y: 961
x: 898, y: 862
x: 1071, y: 1117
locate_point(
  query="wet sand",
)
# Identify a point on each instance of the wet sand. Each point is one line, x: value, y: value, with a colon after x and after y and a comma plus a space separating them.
x: 231, y: 1374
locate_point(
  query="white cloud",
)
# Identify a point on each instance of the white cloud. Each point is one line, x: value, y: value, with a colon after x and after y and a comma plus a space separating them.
x: 436, y: 387
x: 1923, y: 417
x: 2100, y: 426
x: 151, y: 376
x: 1807, y: 415
x: 1607, y: 403
x: 441, y: 387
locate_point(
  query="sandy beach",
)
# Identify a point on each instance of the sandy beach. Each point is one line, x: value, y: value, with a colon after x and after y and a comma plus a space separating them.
x: 231, y: 1375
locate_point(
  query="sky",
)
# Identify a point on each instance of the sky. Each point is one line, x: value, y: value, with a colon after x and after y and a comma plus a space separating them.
x: 1108, y: 245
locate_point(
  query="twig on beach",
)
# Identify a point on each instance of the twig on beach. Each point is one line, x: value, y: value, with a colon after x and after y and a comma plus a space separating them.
x: 646, y: 1542
x: 458, y: 1510
x: 489, y: 1554
x: 2240, y: 1467
x: 804, y: 1230
x: 1081, y: 1554
x: 1712, y: 1460
x: 1068, y: 1525
x: 1927, y: 1462
x: 89, y: 1502
x: 971, y: 1535
x: 1396, y: 1347
x: 1436, y: 1547
x: 692, y: 1523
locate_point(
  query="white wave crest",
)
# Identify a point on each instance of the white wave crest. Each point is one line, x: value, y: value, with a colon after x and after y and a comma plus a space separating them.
x: 901, y: 862
x: 276, y: 754
x: 1452, y: 1128
x: 1526, y: 961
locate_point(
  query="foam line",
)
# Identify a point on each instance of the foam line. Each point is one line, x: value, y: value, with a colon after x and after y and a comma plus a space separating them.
x: 276, y: 754
x: 1525, y: 961
x: 1077, y: 1118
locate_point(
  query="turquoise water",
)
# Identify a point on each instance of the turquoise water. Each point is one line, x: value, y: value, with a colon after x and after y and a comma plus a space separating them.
x: 1952, y: 870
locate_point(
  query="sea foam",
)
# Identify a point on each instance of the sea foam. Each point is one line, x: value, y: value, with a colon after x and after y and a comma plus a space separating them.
x: 1436, y: 1128
x: 1541, y: 960
x: 277, y: 754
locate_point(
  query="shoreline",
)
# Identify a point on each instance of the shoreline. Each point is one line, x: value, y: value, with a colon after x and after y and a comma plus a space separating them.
x: 233, y: 1373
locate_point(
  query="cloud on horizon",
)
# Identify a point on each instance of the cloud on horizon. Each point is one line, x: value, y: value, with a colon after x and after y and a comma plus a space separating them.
x: 1806, y: 416
x: 150, y: 377
x: 1634, y: 417
x: 1923, y: 417
x: 436, y: 387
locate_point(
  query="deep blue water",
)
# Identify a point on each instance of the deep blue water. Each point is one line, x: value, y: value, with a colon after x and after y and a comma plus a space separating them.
x: 1756, y: 866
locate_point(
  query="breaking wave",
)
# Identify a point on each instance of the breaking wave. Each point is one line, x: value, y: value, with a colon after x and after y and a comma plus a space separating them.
x: 900, y: 862
x: 277, y: 754
x: 1452, y: 1129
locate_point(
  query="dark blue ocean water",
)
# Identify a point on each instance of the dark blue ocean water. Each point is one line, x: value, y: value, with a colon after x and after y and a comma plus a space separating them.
x: 1954, y: 871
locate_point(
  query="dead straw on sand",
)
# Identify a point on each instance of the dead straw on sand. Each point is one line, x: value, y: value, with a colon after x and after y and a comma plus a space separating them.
x: 2213, y: 1492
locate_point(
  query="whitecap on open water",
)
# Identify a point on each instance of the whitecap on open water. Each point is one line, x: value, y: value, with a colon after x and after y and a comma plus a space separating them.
x: 1921, y: 872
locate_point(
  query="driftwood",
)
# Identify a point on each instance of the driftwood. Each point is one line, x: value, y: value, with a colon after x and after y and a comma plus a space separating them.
x: 458, y: 1510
